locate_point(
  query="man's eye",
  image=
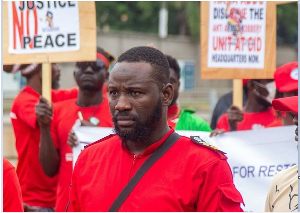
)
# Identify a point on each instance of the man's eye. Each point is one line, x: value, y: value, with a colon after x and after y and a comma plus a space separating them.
x: 113, y: 92
x: 135, y: 93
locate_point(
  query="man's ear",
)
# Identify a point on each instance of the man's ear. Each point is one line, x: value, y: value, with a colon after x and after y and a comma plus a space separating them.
x: 168, y: 94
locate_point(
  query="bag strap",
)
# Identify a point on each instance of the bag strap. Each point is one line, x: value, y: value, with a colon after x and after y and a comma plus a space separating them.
x: 142, y: 170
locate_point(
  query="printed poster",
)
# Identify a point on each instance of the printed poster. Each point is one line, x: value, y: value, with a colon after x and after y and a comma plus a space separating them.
x: 43, y: 26
x: 236, y: 34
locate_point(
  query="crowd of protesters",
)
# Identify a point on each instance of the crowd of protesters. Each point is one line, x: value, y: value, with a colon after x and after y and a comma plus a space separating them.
x: 138, y: 98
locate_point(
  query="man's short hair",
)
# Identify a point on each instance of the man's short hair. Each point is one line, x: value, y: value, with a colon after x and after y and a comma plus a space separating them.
x: 150, y: 55
x: 174, y: 65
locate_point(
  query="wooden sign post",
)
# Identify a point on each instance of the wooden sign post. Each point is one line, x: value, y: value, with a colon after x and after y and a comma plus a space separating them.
x: 238, y: 41
x: 40, y: 32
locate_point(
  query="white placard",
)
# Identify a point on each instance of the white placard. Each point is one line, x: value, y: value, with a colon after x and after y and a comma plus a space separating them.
x: 254, y: 156
x: 236, y: 34
x: 43, y: 26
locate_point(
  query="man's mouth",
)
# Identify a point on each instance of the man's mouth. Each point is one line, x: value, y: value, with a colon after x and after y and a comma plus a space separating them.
x: 125, y: 121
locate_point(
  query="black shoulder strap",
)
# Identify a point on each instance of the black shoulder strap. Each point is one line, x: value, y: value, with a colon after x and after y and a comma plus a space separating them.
x: 142, y: 170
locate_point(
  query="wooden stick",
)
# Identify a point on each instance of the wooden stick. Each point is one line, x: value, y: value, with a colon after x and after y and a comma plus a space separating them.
x: 238, y: 93
x: 46, y: 81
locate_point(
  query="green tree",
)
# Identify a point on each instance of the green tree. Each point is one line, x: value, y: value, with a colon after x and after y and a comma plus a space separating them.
x: 287, y: 23
x: 144, y: 16
x: 183, y: 18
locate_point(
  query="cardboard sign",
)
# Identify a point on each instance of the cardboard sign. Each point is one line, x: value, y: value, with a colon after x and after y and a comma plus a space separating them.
x: 238, y: 39
x: 48, y: 31
x: 237, y: 34
x: 41, y: 27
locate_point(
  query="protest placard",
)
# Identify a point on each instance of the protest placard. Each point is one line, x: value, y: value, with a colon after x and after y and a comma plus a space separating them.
x: 238, y: 39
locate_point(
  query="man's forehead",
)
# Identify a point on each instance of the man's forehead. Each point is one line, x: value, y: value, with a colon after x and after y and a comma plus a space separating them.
x: 141, y: 70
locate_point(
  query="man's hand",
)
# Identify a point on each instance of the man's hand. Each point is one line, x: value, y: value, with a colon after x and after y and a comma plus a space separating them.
x: 72, y: 139
x: 44, y: 112
x: 29, y: 208
x: 235, y: 115
x: 216, y: 132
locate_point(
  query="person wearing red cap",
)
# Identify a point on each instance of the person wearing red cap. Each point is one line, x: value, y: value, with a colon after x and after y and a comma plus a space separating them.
x: 283, y: 193
x: 12, y: 195
x: 286, y: 80
x: 257, y: 112
x: 38, y: 190
x: 55, y: 154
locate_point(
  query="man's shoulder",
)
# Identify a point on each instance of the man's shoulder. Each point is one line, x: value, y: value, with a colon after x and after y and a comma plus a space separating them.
x: 102, y: 143
x: 286, y: 173
x: 197, y: 146
x: 68, y: 103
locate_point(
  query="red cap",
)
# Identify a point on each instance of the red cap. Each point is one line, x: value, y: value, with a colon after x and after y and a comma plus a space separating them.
x: 286, y: 104
x: 286, y: 77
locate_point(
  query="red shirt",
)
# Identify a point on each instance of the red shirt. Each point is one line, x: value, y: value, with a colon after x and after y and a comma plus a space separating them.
x: 256, y: 120
x: 12, y: 196
x: 64, y: 116
x: 188, y: 177
x: 37, y: 188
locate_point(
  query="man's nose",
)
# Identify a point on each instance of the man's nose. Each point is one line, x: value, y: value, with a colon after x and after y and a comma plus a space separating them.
x: 123, y: 103
x: 89, y: 70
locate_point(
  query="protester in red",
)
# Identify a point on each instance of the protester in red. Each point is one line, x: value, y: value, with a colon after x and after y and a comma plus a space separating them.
x: 257, y: 112
x: 55, y: 154
x: 188, y: 177
x: 12, y: 195
x: 182, y: 119
x: 286, y: 80
x: 38, y: 190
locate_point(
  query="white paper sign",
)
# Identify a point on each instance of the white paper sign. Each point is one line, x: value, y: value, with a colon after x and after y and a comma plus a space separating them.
x: 43, y: 26
x: 236, y: 34
x: 254, y: 156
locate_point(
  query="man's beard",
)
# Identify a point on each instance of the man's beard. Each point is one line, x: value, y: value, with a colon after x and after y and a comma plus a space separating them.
x: 143, y: 130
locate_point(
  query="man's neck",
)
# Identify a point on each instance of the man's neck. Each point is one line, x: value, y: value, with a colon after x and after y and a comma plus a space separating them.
x: 139, y: 148
x: 35, y: 86
x: 89, y: 98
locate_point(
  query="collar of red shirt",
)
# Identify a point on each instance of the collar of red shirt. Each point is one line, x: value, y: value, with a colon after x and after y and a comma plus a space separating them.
x: 150, y: 149
x: 173, y: 111
x: 31, y: 91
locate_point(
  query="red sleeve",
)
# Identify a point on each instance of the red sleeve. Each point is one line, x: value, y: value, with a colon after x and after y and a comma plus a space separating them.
x: 223, y: 123
x: 25, y: 111
x: 12, y: 197
x: 53, y: 129
x: 74, y: 205
x: 217, y: 191
x: 64, y: 94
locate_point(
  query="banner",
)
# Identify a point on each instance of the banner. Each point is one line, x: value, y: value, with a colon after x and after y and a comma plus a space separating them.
x: 255, y: 156
x: 236, y: 34
x: 43, y: 26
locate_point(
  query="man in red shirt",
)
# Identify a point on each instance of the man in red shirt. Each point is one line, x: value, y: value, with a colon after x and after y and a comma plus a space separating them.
x: 38, y: 190
x: 257, y: 112
x: 55, y: 154
x: 177, y: 118
x: 188, y: 177
x: 12, y: 196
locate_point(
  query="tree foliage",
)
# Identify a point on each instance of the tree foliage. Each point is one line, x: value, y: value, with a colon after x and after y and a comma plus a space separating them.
x: 287, y: 23
x: 183, y: 18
